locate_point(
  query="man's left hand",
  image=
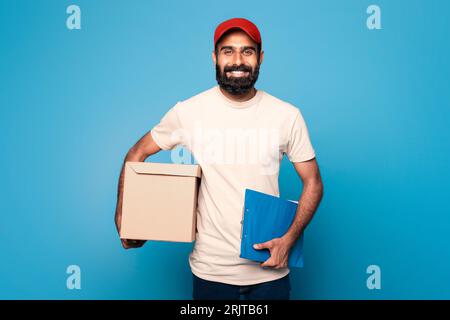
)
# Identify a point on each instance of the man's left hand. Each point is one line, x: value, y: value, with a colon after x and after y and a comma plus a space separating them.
x: 279, y: 252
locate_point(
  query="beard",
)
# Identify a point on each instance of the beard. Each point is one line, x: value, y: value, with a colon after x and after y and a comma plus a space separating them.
x: 237, y: 85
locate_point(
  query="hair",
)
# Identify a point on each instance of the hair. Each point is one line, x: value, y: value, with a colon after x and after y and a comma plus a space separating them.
x: 258, y: 45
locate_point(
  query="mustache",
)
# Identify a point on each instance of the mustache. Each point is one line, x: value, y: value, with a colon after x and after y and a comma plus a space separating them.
x: 242, y: 67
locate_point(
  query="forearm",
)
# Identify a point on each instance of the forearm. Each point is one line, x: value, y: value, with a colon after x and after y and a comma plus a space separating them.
x: 308, y: 204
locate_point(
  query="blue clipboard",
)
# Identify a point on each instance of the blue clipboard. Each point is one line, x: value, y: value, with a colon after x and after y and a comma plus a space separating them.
x: 266, y: 217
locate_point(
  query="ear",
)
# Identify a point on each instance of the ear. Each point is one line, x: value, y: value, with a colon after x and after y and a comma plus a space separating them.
x: 261, y: 57
x: 214, y: 58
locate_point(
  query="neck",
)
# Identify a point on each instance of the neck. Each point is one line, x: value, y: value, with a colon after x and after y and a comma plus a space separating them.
x: 240, y: 97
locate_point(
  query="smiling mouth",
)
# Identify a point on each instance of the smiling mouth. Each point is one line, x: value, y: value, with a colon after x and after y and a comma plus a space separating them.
x: 237, y: 74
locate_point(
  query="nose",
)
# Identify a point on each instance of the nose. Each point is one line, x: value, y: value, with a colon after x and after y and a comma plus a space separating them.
x: 237, y: 58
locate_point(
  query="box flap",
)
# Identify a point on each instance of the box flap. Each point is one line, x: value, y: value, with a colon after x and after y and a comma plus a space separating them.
x: 172, y: 169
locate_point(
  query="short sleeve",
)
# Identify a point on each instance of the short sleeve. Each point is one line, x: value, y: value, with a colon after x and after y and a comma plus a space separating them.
x: 165, y: 132
x: 299, y: 147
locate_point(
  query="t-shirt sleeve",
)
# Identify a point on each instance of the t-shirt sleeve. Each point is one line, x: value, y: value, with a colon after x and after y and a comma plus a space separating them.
x: 165, y: 132
x: 299, y: 147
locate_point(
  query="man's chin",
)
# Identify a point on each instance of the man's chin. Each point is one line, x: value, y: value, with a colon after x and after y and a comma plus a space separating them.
x: 235, y: 90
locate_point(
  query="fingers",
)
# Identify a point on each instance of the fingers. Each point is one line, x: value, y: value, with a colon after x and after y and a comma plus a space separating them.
x: 129, y: 243
x: 140, y: 243
x: 265, y: 245
x: 268, y: 263
x: 278, y: 258
x: 125, y: 244
x: 272, y: 264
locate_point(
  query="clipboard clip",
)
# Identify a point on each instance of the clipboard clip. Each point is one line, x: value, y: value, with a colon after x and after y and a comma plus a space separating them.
x: 242, y: 221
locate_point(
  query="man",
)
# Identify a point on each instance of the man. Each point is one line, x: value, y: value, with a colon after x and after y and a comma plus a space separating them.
x: 238, y: 135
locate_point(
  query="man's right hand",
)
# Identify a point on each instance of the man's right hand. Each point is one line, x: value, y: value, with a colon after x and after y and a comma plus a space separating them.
x: 129, y: 243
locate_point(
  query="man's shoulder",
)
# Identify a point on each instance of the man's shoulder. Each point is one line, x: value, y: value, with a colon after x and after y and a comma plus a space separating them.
x: 198, y: 98
x: 279, y: 105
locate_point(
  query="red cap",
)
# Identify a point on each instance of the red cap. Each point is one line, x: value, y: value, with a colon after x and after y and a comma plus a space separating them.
x: 240, y: 23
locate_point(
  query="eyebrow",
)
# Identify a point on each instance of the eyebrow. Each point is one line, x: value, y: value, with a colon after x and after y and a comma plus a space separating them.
x: 242, y: 48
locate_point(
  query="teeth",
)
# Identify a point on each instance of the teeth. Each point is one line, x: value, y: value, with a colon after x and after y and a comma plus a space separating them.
x: 237, y: 72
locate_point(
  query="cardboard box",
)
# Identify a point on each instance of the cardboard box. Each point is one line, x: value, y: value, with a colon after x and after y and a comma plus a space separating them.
x: 160, y: 201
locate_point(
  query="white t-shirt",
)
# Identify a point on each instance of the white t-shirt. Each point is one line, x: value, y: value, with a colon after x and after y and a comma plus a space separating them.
x: 238, y: 145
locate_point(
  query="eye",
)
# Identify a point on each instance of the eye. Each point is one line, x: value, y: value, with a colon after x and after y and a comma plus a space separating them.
x: 248, y: 52
x: 227, y: 52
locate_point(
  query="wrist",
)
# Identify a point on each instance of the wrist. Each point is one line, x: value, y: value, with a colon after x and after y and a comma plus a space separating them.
x: 290, y: 238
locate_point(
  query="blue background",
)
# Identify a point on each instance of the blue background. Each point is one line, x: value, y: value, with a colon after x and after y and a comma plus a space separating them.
x: 72, y: 102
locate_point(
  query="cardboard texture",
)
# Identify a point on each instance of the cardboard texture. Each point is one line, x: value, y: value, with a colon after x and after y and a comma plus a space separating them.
x: 160, y: 201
